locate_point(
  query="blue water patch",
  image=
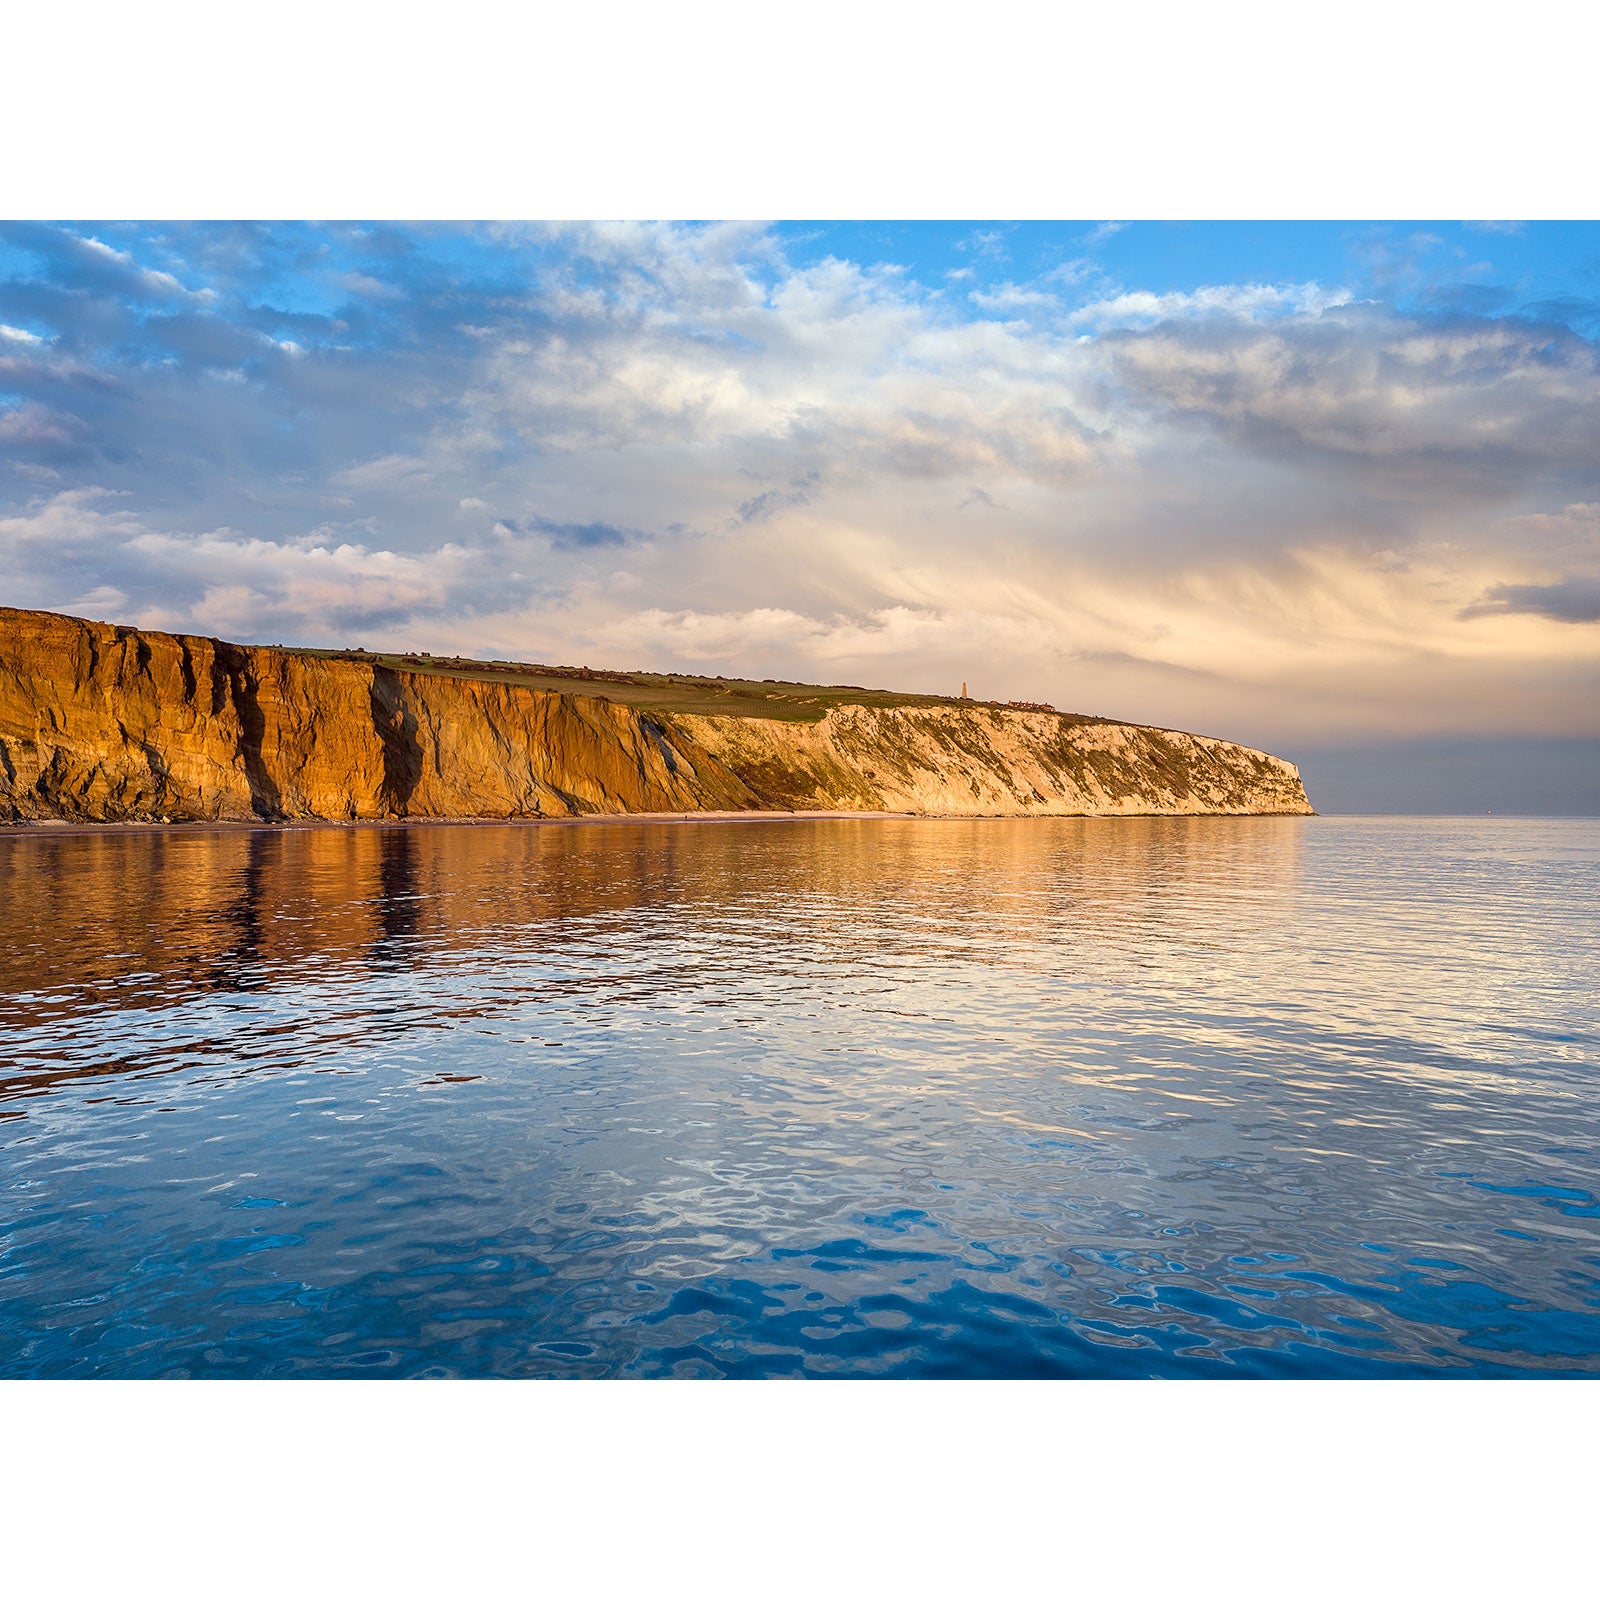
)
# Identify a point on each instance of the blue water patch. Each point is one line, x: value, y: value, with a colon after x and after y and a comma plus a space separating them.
x: 1182, y: 1097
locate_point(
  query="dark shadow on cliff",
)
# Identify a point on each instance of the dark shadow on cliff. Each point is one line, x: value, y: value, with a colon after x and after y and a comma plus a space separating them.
x: 232, y: 667
x: 396, y: 725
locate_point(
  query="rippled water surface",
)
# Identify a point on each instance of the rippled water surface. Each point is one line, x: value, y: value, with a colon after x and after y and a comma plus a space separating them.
x: 1268, y: 1097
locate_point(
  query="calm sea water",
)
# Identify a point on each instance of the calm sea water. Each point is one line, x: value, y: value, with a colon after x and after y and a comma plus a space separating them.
x: 1213, y: 1097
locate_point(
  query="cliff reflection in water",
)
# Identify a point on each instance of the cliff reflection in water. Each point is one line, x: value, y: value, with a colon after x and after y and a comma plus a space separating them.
x: 993, y: 1097
x: 196, y: 907
x: 136, y: 920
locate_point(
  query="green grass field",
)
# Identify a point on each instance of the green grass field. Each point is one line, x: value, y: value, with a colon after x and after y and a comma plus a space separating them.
x: 662, y: 691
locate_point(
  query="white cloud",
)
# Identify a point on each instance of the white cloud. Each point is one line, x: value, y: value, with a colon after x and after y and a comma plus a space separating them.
x: 305, y: 586
x: 1010, y: 297
x: 386, y: 472
x: 102, y: 603
x: 985, y: 242
x: 36, y: 425
x: 1231, y: 300
x: 1495, y: 397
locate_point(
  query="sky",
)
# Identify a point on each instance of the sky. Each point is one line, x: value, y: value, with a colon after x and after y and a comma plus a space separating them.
x: 1330, y: 489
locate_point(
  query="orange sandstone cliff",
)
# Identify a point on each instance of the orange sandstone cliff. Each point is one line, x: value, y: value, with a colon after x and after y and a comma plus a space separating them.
x: 103, y: 724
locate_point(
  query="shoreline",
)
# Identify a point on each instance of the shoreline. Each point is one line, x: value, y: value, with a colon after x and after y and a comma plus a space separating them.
x: 60, y: 828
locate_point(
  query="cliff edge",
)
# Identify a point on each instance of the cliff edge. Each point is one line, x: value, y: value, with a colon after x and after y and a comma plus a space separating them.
x: 100, y: 723
x: 987, y: 761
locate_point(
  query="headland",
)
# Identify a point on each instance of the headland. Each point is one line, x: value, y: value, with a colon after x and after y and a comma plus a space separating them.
x: 102, y: 723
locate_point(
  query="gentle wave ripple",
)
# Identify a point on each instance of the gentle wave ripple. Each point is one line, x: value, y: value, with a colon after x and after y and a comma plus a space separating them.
x: 1212, y: 1097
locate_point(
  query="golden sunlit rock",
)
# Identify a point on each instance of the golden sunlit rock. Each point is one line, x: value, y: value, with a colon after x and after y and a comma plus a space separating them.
x: 100, y: 723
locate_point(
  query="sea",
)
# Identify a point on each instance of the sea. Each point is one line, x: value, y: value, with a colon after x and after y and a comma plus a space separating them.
x: 1180, y: 1097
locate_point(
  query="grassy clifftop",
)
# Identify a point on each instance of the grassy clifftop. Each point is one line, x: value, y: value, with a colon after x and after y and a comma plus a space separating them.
x: 767, y: 698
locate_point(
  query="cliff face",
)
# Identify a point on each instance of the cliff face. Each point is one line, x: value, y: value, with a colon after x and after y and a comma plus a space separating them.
x: 988, y: 762
x: 106, y: 724
x: 101, y: 723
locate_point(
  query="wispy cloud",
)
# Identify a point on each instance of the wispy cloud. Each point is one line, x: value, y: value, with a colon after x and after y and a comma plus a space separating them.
x: 988, y: 243
x: 1247, y: 301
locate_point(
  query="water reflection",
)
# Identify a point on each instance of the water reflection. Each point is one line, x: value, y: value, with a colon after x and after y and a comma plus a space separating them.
x: 1046, y: 1096
x: 169, y: 915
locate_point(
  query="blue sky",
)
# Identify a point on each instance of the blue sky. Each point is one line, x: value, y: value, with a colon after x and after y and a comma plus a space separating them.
x: 1543, y: 269
x: 1316, y: 486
